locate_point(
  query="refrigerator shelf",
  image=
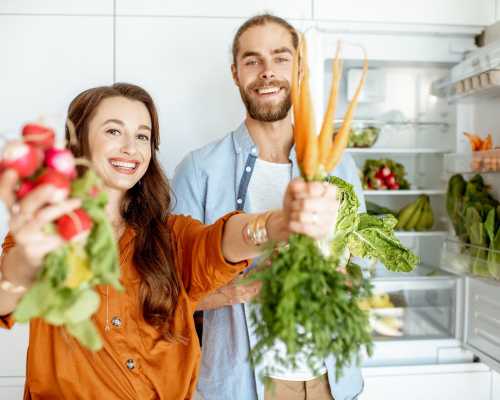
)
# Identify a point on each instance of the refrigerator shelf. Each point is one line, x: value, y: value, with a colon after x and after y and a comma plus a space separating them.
x: 411, y: 192
x: 431, y: 233
x: 473, y: 162
x: 395, y: 150
x: 466, y: 259
x: 379, y: 122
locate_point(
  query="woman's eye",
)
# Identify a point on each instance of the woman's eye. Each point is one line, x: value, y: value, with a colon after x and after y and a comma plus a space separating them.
x: 113, y: 132
x: 143, y: 137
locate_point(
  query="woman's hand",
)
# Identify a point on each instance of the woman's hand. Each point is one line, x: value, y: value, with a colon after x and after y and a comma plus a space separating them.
x: 311, y: 208
x: 28, y: 218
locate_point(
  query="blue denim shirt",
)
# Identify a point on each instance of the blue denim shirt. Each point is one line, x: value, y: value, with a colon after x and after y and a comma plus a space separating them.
x: 207, y: 184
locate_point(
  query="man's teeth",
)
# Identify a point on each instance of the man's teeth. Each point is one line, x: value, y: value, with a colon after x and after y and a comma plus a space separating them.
x: 268, y: 90
x: 123, y: 164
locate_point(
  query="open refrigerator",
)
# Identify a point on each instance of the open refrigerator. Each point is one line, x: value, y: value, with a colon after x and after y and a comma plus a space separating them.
x: 441, y: 322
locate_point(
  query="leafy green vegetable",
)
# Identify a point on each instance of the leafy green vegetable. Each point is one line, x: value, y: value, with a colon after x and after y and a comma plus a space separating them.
x: 374, y: 238
x: 308, y: 301
x: 454, y: 203
x: 62, y: 293
x: 477, y: 236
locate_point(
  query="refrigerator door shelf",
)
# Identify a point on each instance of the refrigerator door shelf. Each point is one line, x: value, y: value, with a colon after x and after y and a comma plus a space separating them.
x: 473, y: 162
x: 482, y: 325
x: 466, y: 259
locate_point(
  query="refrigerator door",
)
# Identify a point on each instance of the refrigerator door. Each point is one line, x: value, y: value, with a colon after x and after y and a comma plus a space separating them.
x: 482, y: 320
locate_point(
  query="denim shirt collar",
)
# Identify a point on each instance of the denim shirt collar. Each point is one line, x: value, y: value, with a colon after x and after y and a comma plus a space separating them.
x: 244, y: 145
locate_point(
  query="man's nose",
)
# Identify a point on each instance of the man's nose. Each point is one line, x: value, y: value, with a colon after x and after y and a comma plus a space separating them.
x: 267, y: 73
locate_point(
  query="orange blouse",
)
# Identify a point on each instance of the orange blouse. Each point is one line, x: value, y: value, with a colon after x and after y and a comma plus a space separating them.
x: 134, y: 363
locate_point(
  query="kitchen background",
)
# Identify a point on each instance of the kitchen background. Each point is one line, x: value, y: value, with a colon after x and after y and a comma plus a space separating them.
x: 180, y: 52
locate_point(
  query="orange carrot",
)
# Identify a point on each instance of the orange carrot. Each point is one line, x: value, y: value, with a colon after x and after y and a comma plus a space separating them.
x: 325, y: 136
x: 487, y: 143
x: 297, y: 116
x: 474, y: 141
x: 342, y: 137
x: 310, y: 160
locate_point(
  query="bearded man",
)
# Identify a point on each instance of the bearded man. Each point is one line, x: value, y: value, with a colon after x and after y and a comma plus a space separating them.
x: 249, y: 170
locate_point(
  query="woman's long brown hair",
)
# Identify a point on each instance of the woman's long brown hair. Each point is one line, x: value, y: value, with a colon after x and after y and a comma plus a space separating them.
x: 145, y: 208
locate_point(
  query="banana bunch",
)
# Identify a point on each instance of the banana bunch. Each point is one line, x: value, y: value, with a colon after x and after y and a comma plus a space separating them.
x: 416, y: 216
x: 381, y: 300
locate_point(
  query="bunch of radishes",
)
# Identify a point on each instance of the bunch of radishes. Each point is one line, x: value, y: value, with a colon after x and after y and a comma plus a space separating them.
x: 384, y: 174
x: 385, y: 179
x: 38, y: 161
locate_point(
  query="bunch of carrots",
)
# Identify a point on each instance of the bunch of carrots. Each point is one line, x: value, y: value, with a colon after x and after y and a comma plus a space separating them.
x: 318, y: 155
x: 479, y: 144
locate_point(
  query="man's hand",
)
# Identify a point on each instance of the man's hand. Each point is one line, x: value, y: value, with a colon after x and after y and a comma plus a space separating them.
x: 233, y: 293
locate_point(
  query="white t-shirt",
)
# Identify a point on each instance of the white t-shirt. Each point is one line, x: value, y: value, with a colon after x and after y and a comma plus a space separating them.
x: 266, y: 189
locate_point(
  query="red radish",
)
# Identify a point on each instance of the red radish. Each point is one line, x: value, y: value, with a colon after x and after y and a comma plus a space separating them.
x: 386, y: 171
x: 382, y: 187
x: 22, y: 157
x: 61, y: 160
x: 75, y: 225
x: 52, y: 177
x: 390, y: 180
x: 379, y: 174
x: 378, y: 183
x: 394, y: 187
x: 39, y: 136
x: 24, y: 188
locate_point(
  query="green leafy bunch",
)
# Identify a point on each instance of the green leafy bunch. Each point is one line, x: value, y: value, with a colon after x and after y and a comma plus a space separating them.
x: 310, y: 299
x: 63, y: 294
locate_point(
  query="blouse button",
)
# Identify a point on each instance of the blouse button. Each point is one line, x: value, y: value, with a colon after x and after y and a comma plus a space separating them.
x: 116, y: 322
x: 239, y: 201
x: 130, y: 363
x: 248, y: 169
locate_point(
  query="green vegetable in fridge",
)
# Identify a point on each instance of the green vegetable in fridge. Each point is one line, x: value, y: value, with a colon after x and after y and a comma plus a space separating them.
x: 363, y: 137
x: 477, y: 236
x: 494, y: 247
x: 454, y: 203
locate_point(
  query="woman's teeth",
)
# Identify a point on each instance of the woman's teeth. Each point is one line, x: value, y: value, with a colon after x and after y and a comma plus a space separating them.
x: 124, y: 164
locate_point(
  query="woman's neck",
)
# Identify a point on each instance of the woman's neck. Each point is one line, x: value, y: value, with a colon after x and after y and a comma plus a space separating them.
x: 113, y: 210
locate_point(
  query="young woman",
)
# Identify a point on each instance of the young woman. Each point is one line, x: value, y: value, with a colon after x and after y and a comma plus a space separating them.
x: 168, y: 263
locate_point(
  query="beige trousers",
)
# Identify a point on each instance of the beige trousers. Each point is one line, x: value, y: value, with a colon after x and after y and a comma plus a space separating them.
x: 315, y: 389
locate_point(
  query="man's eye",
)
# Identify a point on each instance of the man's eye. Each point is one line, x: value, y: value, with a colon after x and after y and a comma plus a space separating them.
x: 282, y: 59
x: 251, y: 62
x: 113, y: 132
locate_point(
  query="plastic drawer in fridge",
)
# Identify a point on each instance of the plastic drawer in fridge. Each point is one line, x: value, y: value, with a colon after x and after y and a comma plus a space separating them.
x: 413, y: 308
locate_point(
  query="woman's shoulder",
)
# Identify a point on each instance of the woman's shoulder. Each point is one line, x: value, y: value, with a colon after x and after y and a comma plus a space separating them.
x: 179, y: 223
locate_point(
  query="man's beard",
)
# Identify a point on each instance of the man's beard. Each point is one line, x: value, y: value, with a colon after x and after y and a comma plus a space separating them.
x: 267, y: 112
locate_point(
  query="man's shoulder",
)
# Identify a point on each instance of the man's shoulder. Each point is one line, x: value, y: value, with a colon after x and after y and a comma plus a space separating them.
x: 221, y: 147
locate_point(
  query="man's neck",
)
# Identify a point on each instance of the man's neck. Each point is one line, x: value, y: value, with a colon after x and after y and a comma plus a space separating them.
x: 273, y: 139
